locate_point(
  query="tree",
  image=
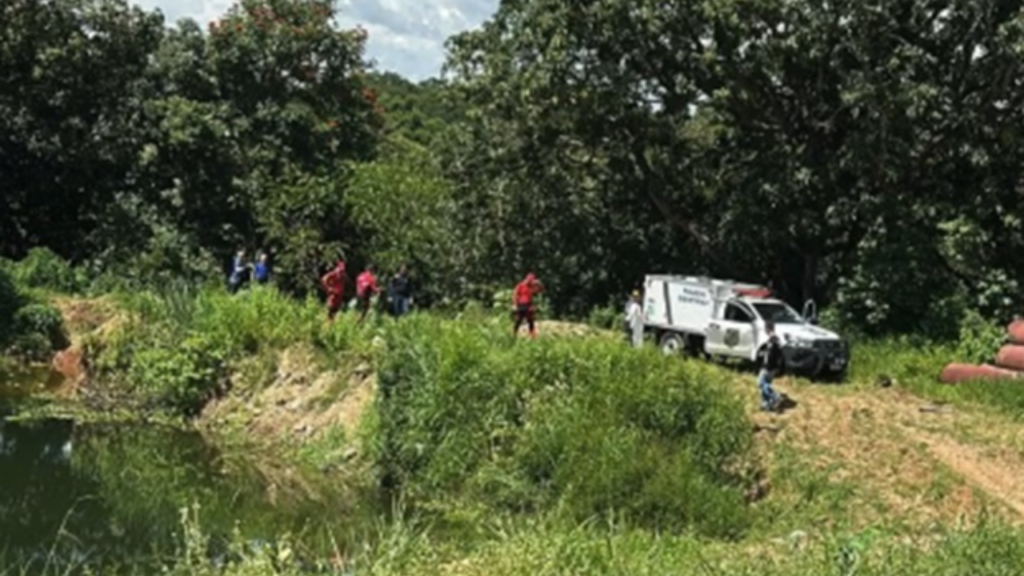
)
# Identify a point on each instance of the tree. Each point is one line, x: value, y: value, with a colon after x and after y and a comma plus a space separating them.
x: 256, y: 120
x: 72, y: 86
x: 776, y: 137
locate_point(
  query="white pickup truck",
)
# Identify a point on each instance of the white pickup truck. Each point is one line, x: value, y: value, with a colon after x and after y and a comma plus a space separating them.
x: 726, y: 319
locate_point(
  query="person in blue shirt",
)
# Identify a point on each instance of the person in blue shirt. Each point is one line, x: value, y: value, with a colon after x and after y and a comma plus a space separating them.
x: 262, y: 270
x: 239, y: 272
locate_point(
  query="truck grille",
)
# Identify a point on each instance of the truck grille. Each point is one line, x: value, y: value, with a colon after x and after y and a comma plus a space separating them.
x: 830, y: 345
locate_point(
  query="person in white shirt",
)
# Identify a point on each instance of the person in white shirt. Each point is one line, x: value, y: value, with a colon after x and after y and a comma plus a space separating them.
x: 635, y: 320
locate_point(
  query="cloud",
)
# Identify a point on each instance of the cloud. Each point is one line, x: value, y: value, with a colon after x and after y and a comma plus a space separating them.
x: 406, y: 36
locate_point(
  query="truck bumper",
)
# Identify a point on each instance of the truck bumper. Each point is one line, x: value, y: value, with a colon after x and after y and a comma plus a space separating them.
x: 814, y: 361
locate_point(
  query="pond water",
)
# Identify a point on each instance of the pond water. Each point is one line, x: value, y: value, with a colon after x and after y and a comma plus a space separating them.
x: 102, y: 495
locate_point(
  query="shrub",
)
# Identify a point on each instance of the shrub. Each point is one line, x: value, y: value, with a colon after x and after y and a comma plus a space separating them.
x: 980, y: 339
x: 33, y: 347
x: 587, y: 427
x: 10, y: 301
x: 182, y: 378
x: 42, y: 320
x: 44, y: 269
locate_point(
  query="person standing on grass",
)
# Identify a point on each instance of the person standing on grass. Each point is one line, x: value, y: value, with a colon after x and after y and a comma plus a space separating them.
x: 635, y: 320
x: 239, y: 272
x: 399, y: 293
x: 522, y: 304
x: 366, y: 289
x: 771, y: 363
x: 334, y: 284
x: 262, y: 270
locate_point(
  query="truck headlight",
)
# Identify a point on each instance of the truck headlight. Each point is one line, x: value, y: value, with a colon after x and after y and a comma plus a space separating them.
x: 800, y: 343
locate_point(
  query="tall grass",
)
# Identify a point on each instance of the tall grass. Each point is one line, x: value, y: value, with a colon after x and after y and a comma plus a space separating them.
x: 179, y: 345
x: 588, y: 427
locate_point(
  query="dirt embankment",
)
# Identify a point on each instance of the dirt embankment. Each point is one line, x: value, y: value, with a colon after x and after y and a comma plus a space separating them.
x: 301, y: 402
x: 83, y: 319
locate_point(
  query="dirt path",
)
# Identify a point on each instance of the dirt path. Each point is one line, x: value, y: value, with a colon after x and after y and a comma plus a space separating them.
x: 925, y: 463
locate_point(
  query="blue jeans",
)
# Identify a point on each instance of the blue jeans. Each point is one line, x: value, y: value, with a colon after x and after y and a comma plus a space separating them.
x: 399, y: 305
x: 769, y: 397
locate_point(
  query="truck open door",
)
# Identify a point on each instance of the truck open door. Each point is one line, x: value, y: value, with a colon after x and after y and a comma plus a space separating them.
x: 734, y: 334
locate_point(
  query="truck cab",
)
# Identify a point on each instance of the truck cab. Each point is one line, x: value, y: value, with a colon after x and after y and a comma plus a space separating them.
x: 726, y: 319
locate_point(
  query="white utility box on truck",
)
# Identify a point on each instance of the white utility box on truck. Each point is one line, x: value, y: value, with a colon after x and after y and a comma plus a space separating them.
x: 722, y: 318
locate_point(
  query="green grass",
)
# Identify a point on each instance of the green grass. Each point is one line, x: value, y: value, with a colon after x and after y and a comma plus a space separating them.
x: 555, y: 456
x: 585, y: 426
x: 915, y: 366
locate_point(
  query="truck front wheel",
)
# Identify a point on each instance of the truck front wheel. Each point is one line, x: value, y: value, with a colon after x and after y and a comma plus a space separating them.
x: 671, y: 344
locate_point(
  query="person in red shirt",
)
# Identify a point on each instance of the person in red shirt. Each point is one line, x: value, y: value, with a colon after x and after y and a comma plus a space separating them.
x: 366, y: 288
x: 522, y: 303
x: 334, y: 284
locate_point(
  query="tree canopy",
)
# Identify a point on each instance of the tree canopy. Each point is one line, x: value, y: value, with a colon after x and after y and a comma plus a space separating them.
x: 865, y: 154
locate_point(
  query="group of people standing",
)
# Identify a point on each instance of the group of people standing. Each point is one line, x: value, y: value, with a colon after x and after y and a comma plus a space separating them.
x: 242, y: 271
x: 399, y: 291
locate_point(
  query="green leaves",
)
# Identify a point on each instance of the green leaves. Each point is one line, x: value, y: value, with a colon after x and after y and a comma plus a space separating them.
x: 770, y: 136
x: 402, y: 207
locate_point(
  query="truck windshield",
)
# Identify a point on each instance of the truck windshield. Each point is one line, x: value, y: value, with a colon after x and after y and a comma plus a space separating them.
x: 778, y: 313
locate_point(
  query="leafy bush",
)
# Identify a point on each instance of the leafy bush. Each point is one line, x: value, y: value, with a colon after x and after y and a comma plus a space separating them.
x: 33, y: 347
x: 182, y: 378
x: 43, y: 320
x: 44, y: 269
x: 31, y: 330
x: 588, y: 427
x: 10, y: 301
x: 980, y: 339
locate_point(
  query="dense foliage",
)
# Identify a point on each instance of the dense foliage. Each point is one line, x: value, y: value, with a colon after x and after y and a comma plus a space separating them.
x: 30, y: 327
x: 866, y: 155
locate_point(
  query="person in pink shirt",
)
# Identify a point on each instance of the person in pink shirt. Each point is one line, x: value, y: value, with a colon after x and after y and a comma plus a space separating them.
x: 366, y: 289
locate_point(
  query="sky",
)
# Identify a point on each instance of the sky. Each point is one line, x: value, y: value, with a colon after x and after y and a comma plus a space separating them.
x: 406, y: 36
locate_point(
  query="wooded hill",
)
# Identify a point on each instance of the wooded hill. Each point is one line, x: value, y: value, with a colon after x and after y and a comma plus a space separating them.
x: 866, y: 154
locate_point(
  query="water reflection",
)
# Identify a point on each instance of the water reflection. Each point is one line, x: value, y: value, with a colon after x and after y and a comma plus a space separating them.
x: 99, y: 494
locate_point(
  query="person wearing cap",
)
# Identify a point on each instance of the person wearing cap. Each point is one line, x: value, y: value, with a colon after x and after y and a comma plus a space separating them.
x: 334, y: 284
x: 634, y: 325
x: 522, y: 303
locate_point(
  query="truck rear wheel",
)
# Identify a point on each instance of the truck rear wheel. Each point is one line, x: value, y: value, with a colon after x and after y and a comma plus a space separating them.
x: 671, y: 344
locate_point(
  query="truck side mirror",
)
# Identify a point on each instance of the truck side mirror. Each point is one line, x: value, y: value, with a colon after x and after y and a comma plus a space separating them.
x: 810, y: 312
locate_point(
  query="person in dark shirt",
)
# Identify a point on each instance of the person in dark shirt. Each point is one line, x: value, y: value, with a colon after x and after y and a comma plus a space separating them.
x: 400, y: 293
x: 771, y: 364
x: 239, y: 272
